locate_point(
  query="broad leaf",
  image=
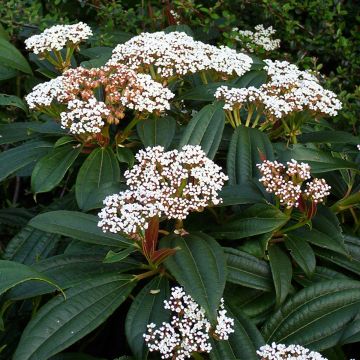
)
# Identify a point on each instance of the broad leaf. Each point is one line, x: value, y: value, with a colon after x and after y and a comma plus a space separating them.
x: 205, y: 129
x: 12, y: 100
x: 247, y: 270
x: 11, y: 57
x: 14, y: 132
x: 333, y: 137
x: 240, y: 194
x: 157, y: 131
x: 316, y: 316
x: 51, y: 169
x: 147, y: 307
x: 79, y: 226
x: 199, y: 265
x: 258, y: 219
x: 99, y: 168
x: 60, y: 323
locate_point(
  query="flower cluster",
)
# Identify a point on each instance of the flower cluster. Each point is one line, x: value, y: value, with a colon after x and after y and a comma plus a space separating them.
x: 170, y: 184
x: 57, y: 37
x: 261, y: 37
x: 189, y: 329
x: 286, y: 183
x: 176, y: 53
x: 121, y: 88
x: 287, y: 352
x: 288, y: 90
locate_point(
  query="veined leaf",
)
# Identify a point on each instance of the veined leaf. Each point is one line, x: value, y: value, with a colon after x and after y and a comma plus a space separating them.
x: 79, y: 226
x: 327, y: 136
x: 199, y: 265
x: 60, y: 323
x: 240, y: 194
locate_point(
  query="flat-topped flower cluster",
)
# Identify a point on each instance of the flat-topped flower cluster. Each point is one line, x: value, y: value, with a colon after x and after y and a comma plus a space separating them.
x: 287, y: 352
x: 57, y: 37
x: 287, y: 182
x: 167, y: 184
x: 177, y: 53
x: 189, y: 329
x: 121, y: 87
x: 287, y: 91
x: 260, y: 38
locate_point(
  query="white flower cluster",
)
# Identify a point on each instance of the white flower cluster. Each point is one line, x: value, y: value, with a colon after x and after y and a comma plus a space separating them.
x: 286, y: 183
x: 84, y: 116
x: 261, y: 37
x: 287, y: 352
x: 188, y: 330
x: 170, y: 184
x: 288, y: 90
x: 57, y: 37
x: 177, y: 53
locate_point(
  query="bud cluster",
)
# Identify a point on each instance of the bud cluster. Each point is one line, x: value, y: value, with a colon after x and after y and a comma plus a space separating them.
x: 260, y: 38
x: 57, y: 37
x: 189, y: 329
x: 177, y: 53
x: 287, y: 352
x: 164, y: 183
x: 287, y: 183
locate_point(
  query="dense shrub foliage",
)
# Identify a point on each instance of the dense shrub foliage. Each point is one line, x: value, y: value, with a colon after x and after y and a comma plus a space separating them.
x: 179, y: 180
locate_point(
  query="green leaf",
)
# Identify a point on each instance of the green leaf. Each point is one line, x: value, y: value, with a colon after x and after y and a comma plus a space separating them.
x: 316, y: 316
x: 320, y: 274
x: 199, y: 265
x: 60, y: 323
x: 242, y: 343
x: 10, y: 56
x: 147, y: 307
x: 302, y: 253
x: 248, y: 147
x: 78, y: 226
x: 240, y: 194
x: 7, y: 72
x: 99, y: 168
x: 205, y: 129
x: 51, y: 169
x: 281, y: 272
x: 125, y: 155
x: 74, y: 356
x: 12, y: 274
x: 258, y: 219
x: 14, y: 132
x: 352, y: 332
x: 247, y: 270
x: 333, y: 137
x: 12, y: 100
x: 17, y: 158
x: 157, y: 131
x: 113, y: 257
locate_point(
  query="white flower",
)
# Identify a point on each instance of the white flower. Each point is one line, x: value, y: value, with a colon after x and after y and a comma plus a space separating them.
x: 287, y: 352
x: 163, y: 183
x: 57, y: 37
x: 177, y: 53
x: 261, y: 37
x: 188, y: 330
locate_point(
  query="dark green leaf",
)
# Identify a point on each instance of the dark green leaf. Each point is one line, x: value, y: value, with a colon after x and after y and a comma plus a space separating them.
x: 14, y: 132
x: 199, y: 265
x: 240, y: 194
x: 333, y: 137
x: 147, y: 307
x: 281, y: 272
x: 78, y: 226
x: 11, y: 57
x: 51, y: 169
x: 99, y: 168
x: 12, y: 100
x: 157, y: 131
x: 7, y: 72
x: 205, y: 129
x: 60, y: 323
x: 113, y: 257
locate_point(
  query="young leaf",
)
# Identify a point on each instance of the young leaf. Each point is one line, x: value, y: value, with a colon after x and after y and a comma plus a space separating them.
x: 281, y: 271
x: 51, y: 169
x: 205, y: 129
x: 199, y: 265
x: 60, y: 323
x: 147, y: 307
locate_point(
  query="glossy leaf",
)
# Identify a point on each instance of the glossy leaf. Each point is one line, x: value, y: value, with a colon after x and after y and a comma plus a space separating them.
x: 281, y: 272
x: 51, y: 169
x: 60, y: 323
x: 316, y: 316
x: 12, y: 100
x: 199, y: 265
x: 147, y: 307
x: 79, y: 226
x: 327, y: 136
x: 99, y: 168
x: 11, y: 57
x: 205, y: 129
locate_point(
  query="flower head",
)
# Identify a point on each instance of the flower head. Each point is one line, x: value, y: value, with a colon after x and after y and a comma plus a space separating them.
x: 289, y: 352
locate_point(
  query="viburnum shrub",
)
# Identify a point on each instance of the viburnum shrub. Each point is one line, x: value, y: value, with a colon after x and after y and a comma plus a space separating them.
x: 198, y: 189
